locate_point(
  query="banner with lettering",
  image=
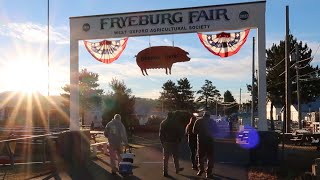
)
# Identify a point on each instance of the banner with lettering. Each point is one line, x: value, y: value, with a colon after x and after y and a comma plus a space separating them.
x: 224, y: 44
x: 106, y: 51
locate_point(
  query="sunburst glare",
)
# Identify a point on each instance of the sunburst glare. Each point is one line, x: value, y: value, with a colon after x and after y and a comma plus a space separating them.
x: 26, y: 75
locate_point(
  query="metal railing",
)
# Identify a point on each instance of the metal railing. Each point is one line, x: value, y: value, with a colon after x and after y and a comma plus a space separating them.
x: 9, y: 145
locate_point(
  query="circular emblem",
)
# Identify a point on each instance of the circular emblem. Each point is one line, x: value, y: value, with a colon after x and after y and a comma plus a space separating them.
x: 244, y: 15
x: 86, y: 27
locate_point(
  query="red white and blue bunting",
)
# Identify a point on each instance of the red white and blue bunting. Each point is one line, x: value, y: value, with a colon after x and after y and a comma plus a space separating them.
x: 106, y: 51
x: 224, y: 44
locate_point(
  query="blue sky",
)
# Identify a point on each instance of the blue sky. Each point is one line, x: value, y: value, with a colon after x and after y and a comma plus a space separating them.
x: 23, y: 45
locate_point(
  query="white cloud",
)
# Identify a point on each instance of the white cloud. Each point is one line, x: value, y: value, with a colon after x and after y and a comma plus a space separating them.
x: 315, y: 46
x: 34, y: 33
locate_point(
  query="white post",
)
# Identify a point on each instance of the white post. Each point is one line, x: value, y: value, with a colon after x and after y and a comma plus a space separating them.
x: 74, y: 84
x: 262, y: 85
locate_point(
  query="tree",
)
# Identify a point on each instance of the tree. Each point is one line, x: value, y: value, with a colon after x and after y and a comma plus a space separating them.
x: 119, y: 101
x: 208, y: 93
x: 309, y: 81
x: 169, y: 95
x: 185, y: 95
x: 89, y: 93
x: 230, y: 105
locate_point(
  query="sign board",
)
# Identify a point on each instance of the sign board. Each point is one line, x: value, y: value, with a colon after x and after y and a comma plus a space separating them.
x: 225, y: 17
x: 169, y: 21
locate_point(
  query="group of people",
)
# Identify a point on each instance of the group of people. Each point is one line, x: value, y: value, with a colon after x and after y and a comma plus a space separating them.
x: 200, y: 132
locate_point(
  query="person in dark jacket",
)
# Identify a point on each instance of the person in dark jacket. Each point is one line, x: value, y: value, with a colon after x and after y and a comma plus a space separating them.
x: 205, y: 129
x: 170, y: 136
x: 192, y: 142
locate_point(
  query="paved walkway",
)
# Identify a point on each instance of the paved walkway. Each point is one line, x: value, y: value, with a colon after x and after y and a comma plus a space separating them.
x: 148, y: 163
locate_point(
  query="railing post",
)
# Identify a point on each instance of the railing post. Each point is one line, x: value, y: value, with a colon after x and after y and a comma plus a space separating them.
x: 44, y: 149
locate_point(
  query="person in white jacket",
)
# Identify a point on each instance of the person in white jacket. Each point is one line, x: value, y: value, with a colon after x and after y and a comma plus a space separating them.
x: 116, y: 134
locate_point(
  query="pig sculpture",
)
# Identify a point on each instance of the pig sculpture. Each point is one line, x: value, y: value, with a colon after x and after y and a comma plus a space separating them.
x: 158, y: 57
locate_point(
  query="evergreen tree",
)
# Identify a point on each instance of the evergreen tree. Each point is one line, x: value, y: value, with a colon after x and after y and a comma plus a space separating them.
x: 230, y: 104
x: 89, y: 93
x: 169, y: 96
x: 308, y: 75
x: 119, y: 101
x: 185, y: 95
x: 208, y: 94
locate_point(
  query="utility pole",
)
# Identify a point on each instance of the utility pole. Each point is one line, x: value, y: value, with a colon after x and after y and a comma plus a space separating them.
x: 240, y: 101
x: 287, y: 77
x: 252, y: 83
x: 48, y: 49
x: 217, y: 107
x: 297, y: 58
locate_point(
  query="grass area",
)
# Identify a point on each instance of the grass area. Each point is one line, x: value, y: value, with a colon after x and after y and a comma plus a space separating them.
x: 294, y: 162
x: 261, y: 175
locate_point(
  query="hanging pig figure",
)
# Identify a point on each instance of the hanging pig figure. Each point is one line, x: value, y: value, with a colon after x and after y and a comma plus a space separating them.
x: 158, y: 57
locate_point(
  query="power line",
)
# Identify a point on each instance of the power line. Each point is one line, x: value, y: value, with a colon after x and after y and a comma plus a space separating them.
x: 272, y: 68
x: 279, y: 62
x: 316, y: 50
x: 295, y: 64
x: 304, y: 66
x: 310, y: 79
x: 310, y: 72
x: 226, y: 103
x: 229, y: 107
x: 302, y: 61
x: 281, y: 73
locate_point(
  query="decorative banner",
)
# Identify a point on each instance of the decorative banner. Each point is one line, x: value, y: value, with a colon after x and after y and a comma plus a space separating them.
x: 158, y: 57
x: 224, y: 44
x: 106, y: 51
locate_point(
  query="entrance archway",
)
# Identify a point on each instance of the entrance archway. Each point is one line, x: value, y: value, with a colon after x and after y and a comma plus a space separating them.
x: 169, y: 21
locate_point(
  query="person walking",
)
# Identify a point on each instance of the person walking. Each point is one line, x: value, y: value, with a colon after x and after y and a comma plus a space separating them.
x: 192, y: 142
x: 116, y: 134
x: 170, y: 134
x: 205, y: 129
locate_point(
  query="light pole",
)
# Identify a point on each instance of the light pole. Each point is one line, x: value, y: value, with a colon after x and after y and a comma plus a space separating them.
x: 252, y: 83
x: 48, y: 53
x: 240, y: 102
x: 217, y: 107
x: 287, y: 76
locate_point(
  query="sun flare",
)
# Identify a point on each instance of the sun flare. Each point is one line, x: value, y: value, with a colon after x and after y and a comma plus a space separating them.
x: 26, y: 75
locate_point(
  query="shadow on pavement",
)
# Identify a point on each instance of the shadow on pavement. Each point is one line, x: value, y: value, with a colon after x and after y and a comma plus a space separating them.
x: 98, y: 172
x: 215, y: 177
x: 107, y: 164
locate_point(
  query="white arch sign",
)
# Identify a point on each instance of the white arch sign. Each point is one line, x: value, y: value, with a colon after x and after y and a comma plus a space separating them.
x: 169, y: 21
